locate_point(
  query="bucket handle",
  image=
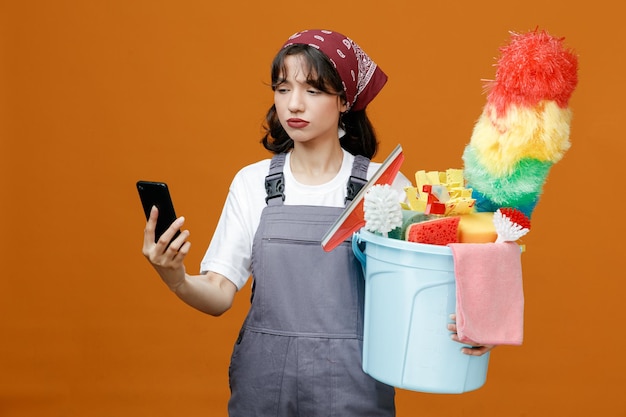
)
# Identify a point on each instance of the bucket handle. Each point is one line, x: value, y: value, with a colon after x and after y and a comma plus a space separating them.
x: 358, y: 253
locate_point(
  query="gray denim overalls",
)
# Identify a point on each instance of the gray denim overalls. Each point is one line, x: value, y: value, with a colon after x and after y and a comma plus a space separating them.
x: 299, y: 351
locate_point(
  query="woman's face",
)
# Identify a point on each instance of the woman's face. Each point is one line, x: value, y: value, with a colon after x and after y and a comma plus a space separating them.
x: 306, y: 113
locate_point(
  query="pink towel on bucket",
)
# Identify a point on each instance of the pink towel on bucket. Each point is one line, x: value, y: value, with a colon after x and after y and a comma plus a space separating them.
x: 489, y: 293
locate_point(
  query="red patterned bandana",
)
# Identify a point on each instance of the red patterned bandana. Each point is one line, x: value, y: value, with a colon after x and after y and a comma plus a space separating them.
x: 362, y: 79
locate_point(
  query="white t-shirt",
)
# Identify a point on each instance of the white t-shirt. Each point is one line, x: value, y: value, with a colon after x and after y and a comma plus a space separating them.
x: 230, y: 250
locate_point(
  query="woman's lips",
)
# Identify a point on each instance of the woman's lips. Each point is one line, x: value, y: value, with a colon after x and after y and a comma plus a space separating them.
x: 297, y: 123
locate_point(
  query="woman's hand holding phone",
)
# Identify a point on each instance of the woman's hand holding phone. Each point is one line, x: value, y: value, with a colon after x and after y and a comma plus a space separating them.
x: 166, y: 255
x: 165, y: 246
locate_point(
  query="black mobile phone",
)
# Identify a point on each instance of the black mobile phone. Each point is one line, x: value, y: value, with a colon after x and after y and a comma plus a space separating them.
x: 157, y: 194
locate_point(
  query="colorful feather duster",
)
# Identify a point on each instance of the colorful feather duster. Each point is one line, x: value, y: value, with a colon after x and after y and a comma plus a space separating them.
x: 524, y: 127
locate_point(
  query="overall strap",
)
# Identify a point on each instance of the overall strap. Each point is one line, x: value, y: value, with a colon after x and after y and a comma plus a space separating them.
x: 358, y: 177
x: 275, y: 181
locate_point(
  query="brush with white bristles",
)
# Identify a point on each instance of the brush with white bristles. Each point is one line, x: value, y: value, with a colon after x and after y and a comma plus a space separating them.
x: 382, y: 209
x: 510, y: 224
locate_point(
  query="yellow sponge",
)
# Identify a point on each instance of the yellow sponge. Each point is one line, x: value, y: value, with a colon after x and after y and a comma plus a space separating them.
x: 477, y: 228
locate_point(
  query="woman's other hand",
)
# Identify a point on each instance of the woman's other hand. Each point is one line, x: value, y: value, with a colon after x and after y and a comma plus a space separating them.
x: 475, y: 348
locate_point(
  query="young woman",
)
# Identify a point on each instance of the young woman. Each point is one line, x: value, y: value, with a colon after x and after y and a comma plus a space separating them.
x: 299, y: 349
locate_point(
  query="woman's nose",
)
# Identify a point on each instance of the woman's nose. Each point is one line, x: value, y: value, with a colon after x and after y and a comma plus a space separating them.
x: 296, y: 102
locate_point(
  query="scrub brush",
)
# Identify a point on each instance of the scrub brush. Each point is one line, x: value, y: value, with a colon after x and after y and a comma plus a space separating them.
x: 511, y: 224
x: 382, y: 209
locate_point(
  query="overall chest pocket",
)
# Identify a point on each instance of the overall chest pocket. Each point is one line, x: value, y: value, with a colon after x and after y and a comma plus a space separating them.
x: 300, y: 288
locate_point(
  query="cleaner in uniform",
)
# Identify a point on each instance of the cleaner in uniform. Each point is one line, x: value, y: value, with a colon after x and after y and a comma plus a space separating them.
x: 299, y: 350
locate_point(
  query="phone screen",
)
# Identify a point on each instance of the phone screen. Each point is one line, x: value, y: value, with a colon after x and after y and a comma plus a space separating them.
x: 157, y: 194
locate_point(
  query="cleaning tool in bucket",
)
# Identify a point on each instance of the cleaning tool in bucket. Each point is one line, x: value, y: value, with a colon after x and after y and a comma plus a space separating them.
x: 410, y: 293
x: 353, y: 218
x: 524, y: 127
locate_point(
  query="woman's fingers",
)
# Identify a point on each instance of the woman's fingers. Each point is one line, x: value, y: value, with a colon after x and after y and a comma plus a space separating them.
x: 474, y: 349
x: 148, y: 231
x: 179, y: 247
x: 167, y: 250
x: 477, y: 350
x: 168, y: 236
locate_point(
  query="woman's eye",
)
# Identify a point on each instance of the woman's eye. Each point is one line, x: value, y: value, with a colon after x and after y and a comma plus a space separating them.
x: 313, y: 91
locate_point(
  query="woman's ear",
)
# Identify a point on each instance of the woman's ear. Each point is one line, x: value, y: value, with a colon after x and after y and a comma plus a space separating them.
x: 343, y: 106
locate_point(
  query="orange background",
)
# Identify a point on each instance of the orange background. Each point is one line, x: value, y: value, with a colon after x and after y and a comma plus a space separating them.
x: 96, y: 95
